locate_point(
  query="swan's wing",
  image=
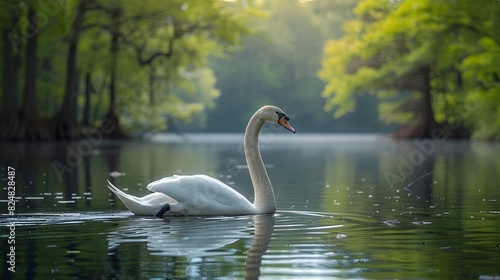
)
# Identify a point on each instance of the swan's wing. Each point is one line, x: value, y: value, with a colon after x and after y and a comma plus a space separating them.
x: 202, y: 192
x: 146, y: 205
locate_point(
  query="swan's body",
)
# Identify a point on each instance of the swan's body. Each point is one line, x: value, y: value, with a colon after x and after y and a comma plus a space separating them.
x: 203, y: 195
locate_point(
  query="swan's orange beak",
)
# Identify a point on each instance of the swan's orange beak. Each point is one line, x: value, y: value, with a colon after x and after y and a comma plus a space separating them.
x: 282, y: 121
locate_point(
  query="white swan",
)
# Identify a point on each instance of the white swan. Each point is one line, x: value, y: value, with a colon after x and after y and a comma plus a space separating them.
x: 203, y: 195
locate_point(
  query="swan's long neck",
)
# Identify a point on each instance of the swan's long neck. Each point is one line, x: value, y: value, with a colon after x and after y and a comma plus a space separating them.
x: 264, y: 194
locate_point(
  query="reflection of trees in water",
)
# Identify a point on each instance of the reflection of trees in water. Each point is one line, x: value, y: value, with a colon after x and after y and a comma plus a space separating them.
x: 68, y: 161
x: 444, y: 168
x: 394, y: 175
x: 50, y: 167
x: 31, y: 161
x: 415, y: 169
x: 113, y: 160
x: 87, y: 176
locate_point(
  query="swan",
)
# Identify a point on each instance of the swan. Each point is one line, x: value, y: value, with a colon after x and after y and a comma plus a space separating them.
x: 201, y: 195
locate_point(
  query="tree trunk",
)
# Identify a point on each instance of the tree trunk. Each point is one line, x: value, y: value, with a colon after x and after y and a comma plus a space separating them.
x: 114, y: 50
x: 427, y: 127
x: 86, y: 107
x: 428, y: 123
x: 66, y: 118
x: 151, y: 85
x: 112, y: 118
x: 9, y: 116
x: 66, y: 121
x: 31, y: 129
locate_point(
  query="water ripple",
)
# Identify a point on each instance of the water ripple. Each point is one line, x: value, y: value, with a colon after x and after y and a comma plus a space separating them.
x: 44, y: 219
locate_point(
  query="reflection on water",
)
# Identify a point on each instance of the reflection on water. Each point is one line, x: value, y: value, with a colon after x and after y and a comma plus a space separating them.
x: 356, y: 207
x: 198, y: 238
x: 181, y: 236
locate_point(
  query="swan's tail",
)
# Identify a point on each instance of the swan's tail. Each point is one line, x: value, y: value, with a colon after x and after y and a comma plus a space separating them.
x: 132, y: 203
x: 121, y: 195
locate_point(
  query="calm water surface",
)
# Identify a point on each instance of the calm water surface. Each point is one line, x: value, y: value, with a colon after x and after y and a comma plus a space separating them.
x: 352, y: 207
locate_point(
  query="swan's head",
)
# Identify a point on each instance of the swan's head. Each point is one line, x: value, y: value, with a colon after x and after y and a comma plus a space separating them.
x: 274, y: 114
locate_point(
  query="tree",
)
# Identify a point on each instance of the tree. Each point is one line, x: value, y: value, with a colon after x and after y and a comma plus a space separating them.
x: 31, y: 123
x: 66, y: 120
x: 411, y: 55
x: 20, y: 122
x: 171, y: 49
x: 106, y: 49
x: 9, y: 117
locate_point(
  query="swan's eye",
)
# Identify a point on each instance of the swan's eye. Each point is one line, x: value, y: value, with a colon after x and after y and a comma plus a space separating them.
x: 283, y: 121
x: 281, y: 116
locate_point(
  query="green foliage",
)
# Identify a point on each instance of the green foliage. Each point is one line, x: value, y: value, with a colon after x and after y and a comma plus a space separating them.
x: 163, y: 47
x: 388, y: 43
x: 171, y: 43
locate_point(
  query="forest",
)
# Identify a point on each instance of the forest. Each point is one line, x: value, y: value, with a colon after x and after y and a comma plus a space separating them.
x: 71, y: 68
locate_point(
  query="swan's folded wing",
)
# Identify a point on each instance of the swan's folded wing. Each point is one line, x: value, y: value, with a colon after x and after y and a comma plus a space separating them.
x: 146, y: 205
x: 198, y: 189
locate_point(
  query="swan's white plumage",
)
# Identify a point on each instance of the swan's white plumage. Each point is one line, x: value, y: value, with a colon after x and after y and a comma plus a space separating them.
x: 203, y: 195
x: 146, y: 205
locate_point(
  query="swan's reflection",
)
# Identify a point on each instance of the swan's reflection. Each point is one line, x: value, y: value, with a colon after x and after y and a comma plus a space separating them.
x: 195, y: 237
x: 264, y: 226
x: 181, y: 236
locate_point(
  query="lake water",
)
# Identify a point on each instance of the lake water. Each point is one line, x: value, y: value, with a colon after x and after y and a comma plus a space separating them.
x: 349, y: 206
